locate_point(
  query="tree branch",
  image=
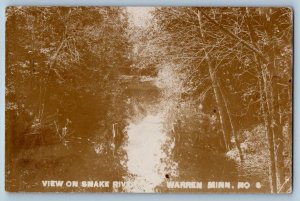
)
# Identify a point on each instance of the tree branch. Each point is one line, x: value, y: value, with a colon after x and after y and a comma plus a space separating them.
x: 228, y: 32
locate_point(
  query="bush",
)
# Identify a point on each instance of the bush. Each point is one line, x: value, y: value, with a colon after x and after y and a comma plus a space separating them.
x: 254, y: 145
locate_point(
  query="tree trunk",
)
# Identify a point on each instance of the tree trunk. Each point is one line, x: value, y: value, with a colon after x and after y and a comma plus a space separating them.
x: 278, y: 131
x: 212, y: 76
x: 226, y: 138
x: 273, y: 96
x: 237, y: 141
x: 269, y: 130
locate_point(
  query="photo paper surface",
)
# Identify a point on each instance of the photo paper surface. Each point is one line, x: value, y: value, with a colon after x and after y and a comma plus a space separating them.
x: 149, y: 99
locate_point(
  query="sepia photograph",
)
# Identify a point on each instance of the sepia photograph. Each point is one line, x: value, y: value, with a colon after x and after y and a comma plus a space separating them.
x: 149, y: 99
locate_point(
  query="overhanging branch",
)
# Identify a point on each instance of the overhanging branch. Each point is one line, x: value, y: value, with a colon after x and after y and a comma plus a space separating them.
x: 228, y: 32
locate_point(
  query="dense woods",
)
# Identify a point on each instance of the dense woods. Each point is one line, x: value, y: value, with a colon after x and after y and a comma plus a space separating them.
x: 234, y: 66
x: 80, y: 79
x: 62, y: 69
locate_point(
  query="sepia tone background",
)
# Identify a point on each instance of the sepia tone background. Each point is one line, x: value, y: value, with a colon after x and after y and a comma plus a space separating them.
x: 207, y: 90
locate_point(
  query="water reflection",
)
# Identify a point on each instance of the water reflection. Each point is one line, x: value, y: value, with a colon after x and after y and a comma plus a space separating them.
x: 145, y: 154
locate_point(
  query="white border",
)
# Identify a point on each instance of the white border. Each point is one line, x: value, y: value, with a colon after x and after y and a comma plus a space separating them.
x: 295, y: 4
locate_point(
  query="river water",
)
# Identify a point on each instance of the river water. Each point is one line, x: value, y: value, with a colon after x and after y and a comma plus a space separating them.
x: 148, y: 146
x: 145, y: 154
